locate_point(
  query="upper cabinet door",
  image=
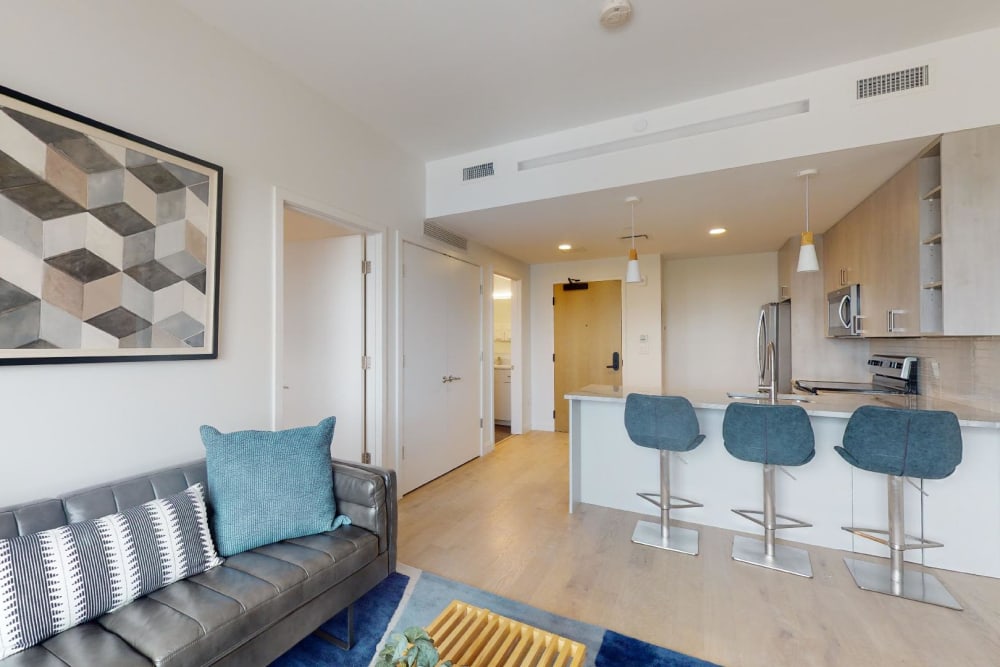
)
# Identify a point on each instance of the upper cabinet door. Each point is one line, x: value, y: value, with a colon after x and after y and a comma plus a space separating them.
x: 970, y: 232
x: 842, y: 243
x: 890, y: 297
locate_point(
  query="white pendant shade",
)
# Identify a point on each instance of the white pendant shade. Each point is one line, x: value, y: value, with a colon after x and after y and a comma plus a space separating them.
x: 808, y: 261
x: 632, y: 272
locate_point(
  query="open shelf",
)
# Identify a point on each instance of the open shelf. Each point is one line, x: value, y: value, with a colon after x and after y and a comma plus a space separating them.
x: 933, y: 193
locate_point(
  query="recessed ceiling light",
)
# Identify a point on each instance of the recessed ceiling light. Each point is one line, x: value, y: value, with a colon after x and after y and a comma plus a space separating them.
x: 565, y: 246
x: 717, y: 231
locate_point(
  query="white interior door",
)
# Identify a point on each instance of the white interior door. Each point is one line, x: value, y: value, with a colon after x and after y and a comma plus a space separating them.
x: 324, y: 316
x: 442, y: 368
x: 464, y: 360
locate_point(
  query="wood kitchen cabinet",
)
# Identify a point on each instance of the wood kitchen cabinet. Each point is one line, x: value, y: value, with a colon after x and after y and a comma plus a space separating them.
x: 842, y: 246
x: 788, y: 264
x: 890, y: 294
x: 970, y: 232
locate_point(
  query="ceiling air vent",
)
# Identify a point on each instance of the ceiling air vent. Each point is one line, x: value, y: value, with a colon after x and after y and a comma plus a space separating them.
x: 436, y: 231
x: 478, y: 171
x: 883, y: 84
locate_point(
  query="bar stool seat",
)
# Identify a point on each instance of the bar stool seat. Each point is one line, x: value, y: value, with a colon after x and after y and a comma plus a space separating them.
x: 899, y: 443
x: 772, y: 435
x: 668, y: 424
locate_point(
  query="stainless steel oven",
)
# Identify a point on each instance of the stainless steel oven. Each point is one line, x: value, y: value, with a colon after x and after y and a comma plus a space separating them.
x: 844, y: 312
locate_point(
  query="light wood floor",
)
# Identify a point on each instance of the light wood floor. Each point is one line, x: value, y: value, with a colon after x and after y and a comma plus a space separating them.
x: 500, y: 523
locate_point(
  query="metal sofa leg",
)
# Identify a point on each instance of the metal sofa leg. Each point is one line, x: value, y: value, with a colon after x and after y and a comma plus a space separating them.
x: 336, y: 641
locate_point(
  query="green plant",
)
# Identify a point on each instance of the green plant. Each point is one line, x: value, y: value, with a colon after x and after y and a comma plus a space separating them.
x: 413, y: 648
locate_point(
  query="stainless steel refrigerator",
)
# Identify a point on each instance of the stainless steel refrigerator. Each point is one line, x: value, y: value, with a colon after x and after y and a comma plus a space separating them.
x: 775, y: 326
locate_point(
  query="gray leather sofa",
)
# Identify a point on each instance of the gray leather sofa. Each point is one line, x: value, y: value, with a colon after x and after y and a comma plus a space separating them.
x: 245, y: 612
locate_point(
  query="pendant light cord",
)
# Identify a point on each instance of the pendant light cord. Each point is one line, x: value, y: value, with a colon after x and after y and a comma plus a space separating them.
x: 632, y: 206
x: 807, y: 202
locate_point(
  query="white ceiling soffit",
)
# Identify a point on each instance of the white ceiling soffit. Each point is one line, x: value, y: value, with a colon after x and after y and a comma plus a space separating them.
x: 761, y: 206
x: 447, y: 77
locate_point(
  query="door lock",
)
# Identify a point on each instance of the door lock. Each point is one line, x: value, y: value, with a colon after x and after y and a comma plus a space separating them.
x: 616, y: 361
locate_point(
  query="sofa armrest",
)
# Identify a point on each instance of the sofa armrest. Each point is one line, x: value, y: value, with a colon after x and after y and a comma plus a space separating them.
x: 367, y: 494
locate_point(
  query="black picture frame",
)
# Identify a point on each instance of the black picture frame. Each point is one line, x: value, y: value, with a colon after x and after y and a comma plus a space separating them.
x: 110, y: 243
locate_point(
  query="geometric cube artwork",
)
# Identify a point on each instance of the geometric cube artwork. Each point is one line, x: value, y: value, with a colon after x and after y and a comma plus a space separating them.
x: 109, y: 243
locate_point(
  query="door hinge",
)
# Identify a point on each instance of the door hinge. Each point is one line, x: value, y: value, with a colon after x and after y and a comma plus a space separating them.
x: 480, y: 290
x: 553, y: 414
x: 366, y: 362
x: 553, y: 357
x: 402, y: 451
x: 366, y: 457
x: 403, y: 269
x: 366, y: 266
x: 553, y: 301
x: 404, y: 361
x: 480, y: 422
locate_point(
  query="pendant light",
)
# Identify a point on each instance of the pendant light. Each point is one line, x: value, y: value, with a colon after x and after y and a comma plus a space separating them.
x: 807, y: 250
x: 632, y: 272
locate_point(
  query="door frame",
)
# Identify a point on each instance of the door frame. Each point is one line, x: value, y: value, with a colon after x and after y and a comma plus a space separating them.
x: 375, y: 342
x: 516, y: 359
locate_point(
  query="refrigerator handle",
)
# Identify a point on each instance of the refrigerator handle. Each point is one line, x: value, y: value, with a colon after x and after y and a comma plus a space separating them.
x: 761, y: 342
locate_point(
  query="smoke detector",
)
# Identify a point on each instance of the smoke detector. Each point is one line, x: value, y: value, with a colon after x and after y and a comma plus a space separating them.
x: 616, y: 13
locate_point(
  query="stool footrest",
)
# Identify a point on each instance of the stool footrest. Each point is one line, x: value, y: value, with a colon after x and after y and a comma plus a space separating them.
x: 792, y: 523
x: 654, y: 498
x: 867, y: 533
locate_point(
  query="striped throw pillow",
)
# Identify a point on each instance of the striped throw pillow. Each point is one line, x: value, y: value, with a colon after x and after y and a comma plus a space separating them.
x: 59, y: 578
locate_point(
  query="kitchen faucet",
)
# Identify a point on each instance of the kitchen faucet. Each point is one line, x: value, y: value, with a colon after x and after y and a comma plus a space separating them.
x: 772, y: 388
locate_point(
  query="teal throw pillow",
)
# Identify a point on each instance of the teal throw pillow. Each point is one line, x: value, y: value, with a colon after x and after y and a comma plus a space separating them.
x: 268, y: 486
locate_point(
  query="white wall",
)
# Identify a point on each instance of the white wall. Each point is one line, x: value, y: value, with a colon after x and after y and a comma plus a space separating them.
x: 957, y: 99
x: 324, y: 339
x: 710, y: 310
x: 152, y: 69
x: 641, y: 366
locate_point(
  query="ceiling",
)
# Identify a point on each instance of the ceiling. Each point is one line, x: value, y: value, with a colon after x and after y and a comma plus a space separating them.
x: 443, y: 77
x: 760, y: 206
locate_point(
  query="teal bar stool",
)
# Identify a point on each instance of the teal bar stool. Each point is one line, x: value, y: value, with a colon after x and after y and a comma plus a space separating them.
x: 667, y: 424
x: 898, y: 443
x: 773, y: 435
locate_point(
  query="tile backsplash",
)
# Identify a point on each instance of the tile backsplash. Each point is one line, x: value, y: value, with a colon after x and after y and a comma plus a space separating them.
x: 965, y: 370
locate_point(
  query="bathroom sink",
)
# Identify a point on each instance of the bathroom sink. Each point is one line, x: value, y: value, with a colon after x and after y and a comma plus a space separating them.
x: 762, y: 398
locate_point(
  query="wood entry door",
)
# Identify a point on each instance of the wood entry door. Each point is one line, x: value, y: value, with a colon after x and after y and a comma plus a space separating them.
x: 588, y: 335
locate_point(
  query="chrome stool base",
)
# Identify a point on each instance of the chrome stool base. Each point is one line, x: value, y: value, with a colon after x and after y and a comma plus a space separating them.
x: 662, y: 535
x: 683, y: 540
x: 785, y: 559
x: 918, y: 586
x: 894, y: 579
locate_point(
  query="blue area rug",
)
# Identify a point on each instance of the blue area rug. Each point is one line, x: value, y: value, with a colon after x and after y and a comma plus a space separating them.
x: 403, y: 601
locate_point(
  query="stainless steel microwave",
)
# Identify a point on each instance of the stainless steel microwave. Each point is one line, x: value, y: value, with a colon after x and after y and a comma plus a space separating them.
x: 844, y: 312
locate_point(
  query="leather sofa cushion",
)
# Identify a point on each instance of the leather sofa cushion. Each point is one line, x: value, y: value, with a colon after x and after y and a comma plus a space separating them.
x: 202, y: 618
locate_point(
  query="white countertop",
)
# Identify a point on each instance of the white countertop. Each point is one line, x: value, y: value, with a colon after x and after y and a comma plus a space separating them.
x: 840, y: 405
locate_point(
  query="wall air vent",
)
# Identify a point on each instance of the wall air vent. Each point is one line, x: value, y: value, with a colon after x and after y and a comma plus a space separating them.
x: 436, y: 231
x: 894, y: 82
x: 477, y: 171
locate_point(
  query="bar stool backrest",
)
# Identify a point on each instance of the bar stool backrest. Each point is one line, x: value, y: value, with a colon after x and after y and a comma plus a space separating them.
x: 769, y: 434
x: 662, y: 422
x: 909, y: 443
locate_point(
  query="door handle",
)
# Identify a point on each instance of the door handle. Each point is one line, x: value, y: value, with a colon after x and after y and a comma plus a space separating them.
x: 616, y: 361
x: 761, y: 345
x: 452, y: 378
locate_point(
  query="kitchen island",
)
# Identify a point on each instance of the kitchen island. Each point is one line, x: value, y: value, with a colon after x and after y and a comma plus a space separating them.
x: 963, y: 511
